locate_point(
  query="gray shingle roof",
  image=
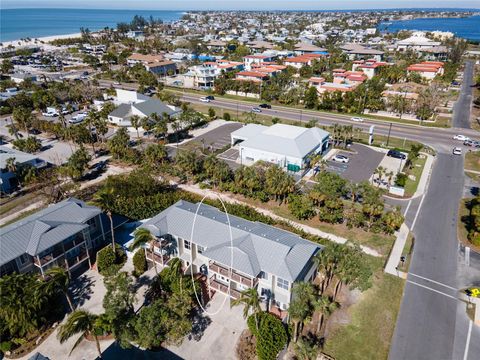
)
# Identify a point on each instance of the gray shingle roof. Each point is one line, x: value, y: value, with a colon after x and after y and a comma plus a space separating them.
x: 256, y: 246
x: 44, y: 229
x: 20, y: 156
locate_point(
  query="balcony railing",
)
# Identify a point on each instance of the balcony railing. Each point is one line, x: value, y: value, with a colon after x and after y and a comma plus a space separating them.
x: 224, y: 288
x: 77, y: 259
x: 156, y: 257
x: 235, y: 276
x: 71, y: 244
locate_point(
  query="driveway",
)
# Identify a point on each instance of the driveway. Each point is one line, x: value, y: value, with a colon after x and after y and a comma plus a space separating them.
x: 219, y: 137
x: 220, y: 337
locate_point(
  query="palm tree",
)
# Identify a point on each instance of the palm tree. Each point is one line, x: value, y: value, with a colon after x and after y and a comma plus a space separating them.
x: 105, y: 200
x: 251, y: 302
x: 305, y: 349
x: 325, y: 306
x: 143, y: 236
x: 80, y: 321
x: 57, y: 280
x: 136, y: 121
x: 11, y: 164
x: 301, y: 307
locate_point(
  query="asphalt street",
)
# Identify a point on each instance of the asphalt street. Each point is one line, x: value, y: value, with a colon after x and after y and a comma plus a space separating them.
x: 461, y: 111
x: 433, y: 323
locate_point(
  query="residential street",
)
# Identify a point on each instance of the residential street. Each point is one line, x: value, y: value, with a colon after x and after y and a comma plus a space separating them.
x: 432, y: 323
x: 461, y: 111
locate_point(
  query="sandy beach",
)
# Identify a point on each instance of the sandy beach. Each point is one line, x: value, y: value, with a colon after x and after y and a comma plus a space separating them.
x: 41, y: 41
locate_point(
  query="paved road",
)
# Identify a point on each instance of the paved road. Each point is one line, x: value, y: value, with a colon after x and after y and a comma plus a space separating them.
x: 461, y: 111
x: 432, y: 323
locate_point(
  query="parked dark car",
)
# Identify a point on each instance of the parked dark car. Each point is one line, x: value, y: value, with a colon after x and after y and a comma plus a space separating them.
x: 265, y: 106
x: 396, y: 154
x: 210, y: 97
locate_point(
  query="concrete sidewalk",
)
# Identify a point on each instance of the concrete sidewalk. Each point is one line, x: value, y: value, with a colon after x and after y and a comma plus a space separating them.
x: 396, y: 252
x: 311, y: 230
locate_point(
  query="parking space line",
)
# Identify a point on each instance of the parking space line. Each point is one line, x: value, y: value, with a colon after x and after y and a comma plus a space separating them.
x: 433, y: 281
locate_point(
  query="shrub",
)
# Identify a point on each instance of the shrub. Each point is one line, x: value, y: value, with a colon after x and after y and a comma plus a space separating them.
x: 227, y: 116
x: 401, y: 179
x: 139, y: 262
x: 5, y: 346
x: 271, y: 335
x: 108, y: 263
x: 30, y: 145
x: 301, y: 207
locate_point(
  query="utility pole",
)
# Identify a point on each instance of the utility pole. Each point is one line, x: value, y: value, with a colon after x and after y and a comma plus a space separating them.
x: 237, y: 110
x: 389, y: 130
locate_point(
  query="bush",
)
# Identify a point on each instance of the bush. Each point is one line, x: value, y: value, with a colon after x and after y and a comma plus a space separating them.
x: 301, y: 207
x: 30, y: 145
x: 139, y: 263
x: 401, y: 179
x: 5, y: 346
x: 109, y: 263
x: 227, y: 116
x: 271, y: 335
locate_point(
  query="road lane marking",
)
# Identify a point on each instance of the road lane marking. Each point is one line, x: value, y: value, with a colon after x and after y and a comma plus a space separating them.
x: 467, y: 344
x: 408, y: 207
x: 418, y: 211
x: 431, y: 289
x: 433, y: 281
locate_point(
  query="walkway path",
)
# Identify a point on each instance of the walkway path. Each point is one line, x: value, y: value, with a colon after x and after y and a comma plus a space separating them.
x: 311, y: 230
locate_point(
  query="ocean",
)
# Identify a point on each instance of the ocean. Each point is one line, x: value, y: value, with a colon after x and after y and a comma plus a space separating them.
x: 467, y: 28
x: 16, y: 24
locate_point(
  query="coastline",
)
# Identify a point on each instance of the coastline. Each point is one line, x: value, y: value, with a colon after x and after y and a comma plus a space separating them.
x: 42, y: 42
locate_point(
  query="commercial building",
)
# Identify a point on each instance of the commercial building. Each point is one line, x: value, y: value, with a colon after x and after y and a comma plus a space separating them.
x: 256, y: 255
x: 65, y: 234
x: 287, y: 146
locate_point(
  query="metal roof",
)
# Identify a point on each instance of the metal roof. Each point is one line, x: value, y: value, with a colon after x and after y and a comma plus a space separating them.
x: 256, y: 246
x: 287, y: 140
x: 20, y: 156
x: 44, y: 229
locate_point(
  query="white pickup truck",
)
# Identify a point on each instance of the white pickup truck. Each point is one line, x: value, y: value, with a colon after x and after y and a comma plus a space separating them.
x: 78, y: 118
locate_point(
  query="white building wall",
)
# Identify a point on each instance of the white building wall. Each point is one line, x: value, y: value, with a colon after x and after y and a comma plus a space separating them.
x: 250, y: 155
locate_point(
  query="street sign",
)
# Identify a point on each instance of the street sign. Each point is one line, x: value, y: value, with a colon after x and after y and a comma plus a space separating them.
x: 473, y: 292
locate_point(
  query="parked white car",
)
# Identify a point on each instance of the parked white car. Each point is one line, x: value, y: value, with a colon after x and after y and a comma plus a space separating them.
x: 461, y: 137
x: 205, y: 99
x: 50, y: 114
x: 357, y: 119
x: 457, y: 151
x: 341, y: 158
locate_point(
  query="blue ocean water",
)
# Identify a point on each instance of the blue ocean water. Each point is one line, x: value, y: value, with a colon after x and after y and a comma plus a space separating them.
x: 33, y: 23
x: 467, y: 28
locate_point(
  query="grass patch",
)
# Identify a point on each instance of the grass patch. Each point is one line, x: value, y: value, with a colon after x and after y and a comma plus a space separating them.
x: 21, y: 216
x: 8, y: 205
x: 372, y: 322
x: 407, y: 253
x: 472, y: 161
x: 463, y: 224
x: 416, y: 170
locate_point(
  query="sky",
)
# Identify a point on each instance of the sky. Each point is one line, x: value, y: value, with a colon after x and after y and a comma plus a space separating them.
x: 240, y: 4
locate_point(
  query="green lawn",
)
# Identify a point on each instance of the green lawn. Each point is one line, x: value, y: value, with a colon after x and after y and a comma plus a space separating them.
x: 472, y: 161
x: 8, y: 205
x: 21, y: 216
x: 411, y: 185
x: 407, y: 252
x: 372, y: 322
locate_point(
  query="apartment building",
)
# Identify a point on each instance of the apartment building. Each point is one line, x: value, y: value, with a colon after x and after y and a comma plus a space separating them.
x: 427, y: 69
x: 65, y: 234
x: 302, y: 60
x: 255, y: 256
x: 156, y: 64
x: 369, y: 67
x: 201, y: 77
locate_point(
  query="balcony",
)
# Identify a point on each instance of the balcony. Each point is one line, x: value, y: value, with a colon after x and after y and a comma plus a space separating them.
x: 77, y: 259
x: 71, y: 244
x: 223, y: 288
x: 234, y: 276
x: 152, y: 256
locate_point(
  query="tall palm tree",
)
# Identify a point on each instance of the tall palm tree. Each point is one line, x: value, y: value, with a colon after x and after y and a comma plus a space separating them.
x: 305, y: 349
x: 325, y: 306
x: 57, y: 280
x: 301, y: 307
x: 143, y: 236
x: 79, y: 322
x: 105, y: 200
x: 251, y: 302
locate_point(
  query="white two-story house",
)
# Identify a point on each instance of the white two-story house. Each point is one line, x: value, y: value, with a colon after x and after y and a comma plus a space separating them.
x: 233, y: 254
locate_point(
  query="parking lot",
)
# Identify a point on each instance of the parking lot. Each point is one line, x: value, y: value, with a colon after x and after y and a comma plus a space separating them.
x: 362, y: 163
x: 217, y: 138
x: 230, y: 155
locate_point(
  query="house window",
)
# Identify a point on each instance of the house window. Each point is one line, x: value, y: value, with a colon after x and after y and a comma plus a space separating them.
x: 200, y: 249
x: 263, y: 275
x: 187, y: 245
x: 281, y: 283
x: 23, y: 259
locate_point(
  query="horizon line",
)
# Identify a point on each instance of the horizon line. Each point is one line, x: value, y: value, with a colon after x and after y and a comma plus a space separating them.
x: 273, y: 10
